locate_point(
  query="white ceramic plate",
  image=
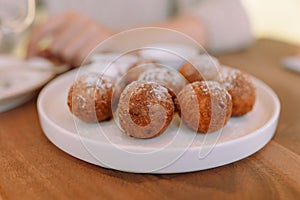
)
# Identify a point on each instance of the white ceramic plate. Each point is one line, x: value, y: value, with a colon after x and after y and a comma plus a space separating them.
x: 174, y: 151
x: 18, y: 83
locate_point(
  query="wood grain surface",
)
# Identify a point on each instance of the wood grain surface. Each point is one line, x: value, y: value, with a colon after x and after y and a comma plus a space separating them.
x: 31, y: 167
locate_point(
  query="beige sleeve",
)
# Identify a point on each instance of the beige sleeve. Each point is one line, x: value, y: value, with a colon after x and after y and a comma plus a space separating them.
x: 226, y: 23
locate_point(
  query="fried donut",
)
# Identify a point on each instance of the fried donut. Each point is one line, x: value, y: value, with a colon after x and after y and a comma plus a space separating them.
x: 89, y: 97
x: 201, y: 68
x: 241, y: 89
x: 145, y: 109
x: 205, y: 106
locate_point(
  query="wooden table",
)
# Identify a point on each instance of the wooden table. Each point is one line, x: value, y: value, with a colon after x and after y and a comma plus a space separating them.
x: 33, y: 168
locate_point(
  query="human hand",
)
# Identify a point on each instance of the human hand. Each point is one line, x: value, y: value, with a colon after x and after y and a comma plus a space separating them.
x: 71, y: 37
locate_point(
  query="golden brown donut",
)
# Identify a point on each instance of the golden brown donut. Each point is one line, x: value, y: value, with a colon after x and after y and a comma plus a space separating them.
x: 89, y: 97
x: 205, y: 106
x: 201, y: 68
x: 145, y: 109
x: 241, y: 89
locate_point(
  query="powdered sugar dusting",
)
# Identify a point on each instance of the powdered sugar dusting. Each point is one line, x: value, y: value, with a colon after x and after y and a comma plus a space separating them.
x: 162, y: 75
x: 95, y: 81
x: 154, y: 89
x: 232, y: 78
x: 214, y: 89
x: 166, y: 77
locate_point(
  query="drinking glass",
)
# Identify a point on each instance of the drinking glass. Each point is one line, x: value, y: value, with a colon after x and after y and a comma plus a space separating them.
x: 15, y: 17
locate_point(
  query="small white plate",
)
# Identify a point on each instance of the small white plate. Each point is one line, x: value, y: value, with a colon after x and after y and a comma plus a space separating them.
x: 174, y: 151
x: 17, y: 83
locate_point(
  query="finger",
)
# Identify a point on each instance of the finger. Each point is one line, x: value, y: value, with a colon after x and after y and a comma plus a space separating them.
x: 89, y: 37
x: 68, y: 34
x: 82, y: 53
x: 47, y: 28
x: 81, y: 39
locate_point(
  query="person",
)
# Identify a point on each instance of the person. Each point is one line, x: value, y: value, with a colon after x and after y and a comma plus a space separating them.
x: 218, y: 25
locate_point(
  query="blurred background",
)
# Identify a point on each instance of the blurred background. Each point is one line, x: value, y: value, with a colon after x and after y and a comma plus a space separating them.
x: 276, y: 19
